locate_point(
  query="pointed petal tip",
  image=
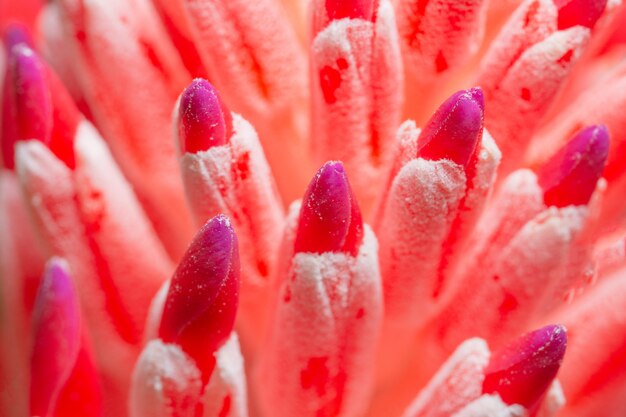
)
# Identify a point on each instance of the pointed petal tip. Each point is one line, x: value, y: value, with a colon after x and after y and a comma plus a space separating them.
x: 33, y: 109
x: 201, y: 304
x: 43, y: 109
x: 204, y: 120
x: 57, y: 335
x: 455, y: 129
x: 477, y: 94
x: 330, y: 217
x: 579, y: 12
x: 352, y: 9
x: 16, y: 33
x: 522, y: 371
x: 64, y: 378
x: 570, y: 176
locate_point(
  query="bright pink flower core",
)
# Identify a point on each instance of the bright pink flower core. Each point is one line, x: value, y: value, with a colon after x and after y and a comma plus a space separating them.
x: 570, y: 176
x: 579, y: 12
x: 201, y: 305
x: 330, y: 218
x: 204, y: 121
x: 522, y: 371
x: 455, y: 129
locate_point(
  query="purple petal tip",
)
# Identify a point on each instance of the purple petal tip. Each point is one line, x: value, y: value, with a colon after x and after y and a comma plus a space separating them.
x: 522, y: 371
x: 15, y: 34
x: 330, y: 218
x: 204, y: 120
x: 57, y: 336
x: 455, y: 129
x: 201, y: 304
x: 570, y: 176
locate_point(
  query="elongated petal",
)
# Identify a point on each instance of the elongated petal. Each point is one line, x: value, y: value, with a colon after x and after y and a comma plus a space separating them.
x: 63, y: 377
x: 522, y: 72
x: 133, y: 108
x: 201, y: 304
x: 234, y: 178
x: 356, y: 97
x: 43, y: 109
x: 319, y: 356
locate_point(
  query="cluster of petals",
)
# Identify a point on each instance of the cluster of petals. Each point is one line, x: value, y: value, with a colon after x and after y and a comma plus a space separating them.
x: 313, y: 208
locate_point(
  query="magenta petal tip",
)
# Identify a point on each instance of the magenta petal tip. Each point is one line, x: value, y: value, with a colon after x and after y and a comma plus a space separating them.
x: 204, y: 120
x: 33, y: 107
x: 455, y: 129
x: 570, y: 176
x: 57, y: 337
x: 579, y: 12
x: 522, y: 371
x: 201, y: 304
x: 330, y: 218
x: 16, y: 33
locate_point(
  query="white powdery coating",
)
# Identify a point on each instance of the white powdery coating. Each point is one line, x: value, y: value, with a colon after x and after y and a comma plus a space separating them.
x: 421, y: 205
x: 235, y: 179
x: 443, y: 37
x: 530, y: 276
x: 415, y: 220
x: 526, y: 261
x: 128, y: 34
x: 404, y: 150
x: 51, y: 191
x: 489, y: 157
x: 514, y: 38
x: 491, y: 406
x: 165, y: 383
x: 228, y: 377
x: 251, y: 54
x: 479, y: 191
x: 536, y: 260
x: 357, y: 121
x: 457, y: 383
x: 527, y: 89
x: 519, y: 199
x: 136, y: 261
x: 226, y: 388
x: 320, y: 353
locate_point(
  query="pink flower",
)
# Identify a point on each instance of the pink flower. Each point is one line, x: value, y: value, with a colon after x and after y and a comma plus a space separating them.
x: 459, y: 249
